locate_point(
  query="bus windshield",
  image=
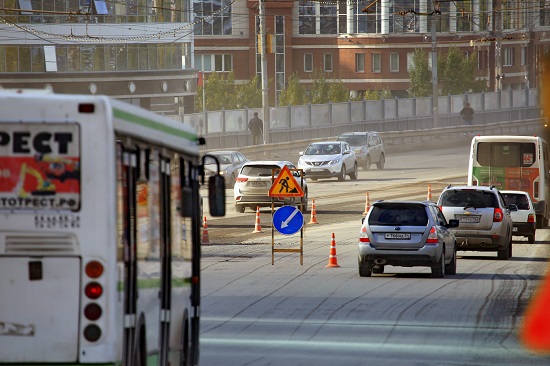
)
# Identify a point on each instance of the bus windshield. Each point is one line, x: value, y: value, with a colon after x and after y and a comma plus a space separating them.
x: 506, y: 154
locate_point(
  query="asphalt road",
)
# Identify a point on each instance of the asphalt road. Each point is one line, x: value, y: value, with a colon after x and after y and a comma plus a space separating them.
x: 286, y: 313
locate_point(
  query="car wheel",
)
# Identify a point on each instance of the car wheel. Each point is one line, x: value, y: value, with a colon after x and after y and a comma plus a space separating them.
x: 380, y: 164
x: 353, y: 175
x: 365, y: 267
x: 503, y: 254
x: 438, y: 268
x: 239, y: 208
x: 366, y: 166
x: 342, y: 175
x: 451, y: 267
x: 531, y: 239
x: 378, y: 269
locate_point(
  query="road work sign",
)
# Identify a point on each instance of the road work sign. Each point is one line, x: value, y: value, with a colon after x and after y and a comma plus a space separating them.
x: 285, y: 185
x: 288, y: 220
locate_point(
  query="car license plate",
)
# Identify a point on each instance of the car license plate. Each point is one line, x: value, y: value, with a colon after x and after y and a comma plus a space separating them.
x: 468, y: 219
x: 317, y: 169
x: 258, y: 184
x: 397, y: 236
x: 515, y: 228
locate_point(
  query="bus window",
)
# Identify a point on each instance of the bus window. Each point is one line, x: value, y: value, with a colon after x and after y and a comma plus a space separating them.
x: 506, y: 154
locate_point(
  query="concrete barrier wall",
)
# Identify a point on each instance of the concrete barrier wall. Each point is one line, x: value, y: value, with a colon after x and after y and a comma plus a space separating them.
x: 397, y: 141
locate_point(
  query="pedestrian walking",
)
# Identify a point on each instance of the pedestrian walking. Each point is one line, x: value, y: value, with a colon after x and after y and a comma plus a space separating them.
x: 467, y: 113
x: 256, y: 127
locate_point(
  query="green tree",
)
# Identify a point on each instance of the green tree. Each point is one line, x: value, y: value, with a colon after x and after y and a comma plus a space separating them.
x: 249, y: 94
x: 457, y: 74
x: 421, y: 75
x: 294, y: 93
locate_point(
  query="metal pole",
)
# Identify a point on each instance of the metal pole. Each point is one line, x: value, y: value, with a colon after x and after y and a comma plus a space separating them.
x: 435, y: 93
x: 265, y: 100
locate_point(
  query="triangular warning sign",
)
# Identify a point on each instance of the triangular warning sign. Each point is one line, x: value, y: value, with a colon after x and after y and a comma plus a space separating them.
x: 285, y: 185
x: 535, y: 333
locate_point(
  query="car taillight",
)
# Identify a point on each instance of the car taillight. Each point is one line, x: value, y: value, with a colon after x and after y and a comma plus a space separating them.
x: 363, y: 237
x: 432, y: 238
x: 498, y: 215
x: 531, y: 218
x: 241, y: 179
x: 93, y: 290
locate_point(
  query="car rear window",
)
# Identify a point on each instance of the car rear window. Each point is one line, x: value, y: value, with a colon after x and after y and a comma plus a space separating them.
x: 259, y: 170
x: 398, y: 214
x: 469, y: 198
x: 356, y: 140
x: 517, y: 199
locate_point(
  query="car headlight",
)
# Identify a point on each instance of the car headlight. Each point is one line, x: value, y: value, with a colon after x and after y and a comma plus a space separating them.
x: 335, y: 161
x: 358, y: 150
x: 223, y: 172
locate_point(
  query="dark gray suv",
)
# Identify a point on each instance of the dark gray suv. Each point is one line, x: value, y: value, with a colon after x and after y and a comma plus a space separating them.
x: 368, y: 147
x: 407, y: 234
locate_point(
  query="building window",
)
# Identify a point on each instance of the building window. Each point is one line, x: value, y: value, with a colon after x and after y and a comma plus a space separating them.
x: 317, y: 18
x: 508, y: 57
x: 394, y: 62
x: 410, y: 61
x: 214, y: 62
x: 376, y: 62
x: 523, y: 56
x: 480, y: 60
x: 328, y: 62
x: 359, y: 62
x: 212, y: 17
x: 308, y: 62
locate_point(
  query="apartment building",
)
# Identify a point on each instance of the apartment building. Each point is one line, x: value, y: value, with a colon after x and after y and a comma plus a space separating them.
x: 139, y: 51
x: 369, y: 44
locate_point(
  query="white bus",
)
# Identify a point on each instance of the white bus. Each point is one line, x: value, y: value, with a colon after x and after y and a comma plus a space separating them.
x: 99, y: 233
x: 513, y: 163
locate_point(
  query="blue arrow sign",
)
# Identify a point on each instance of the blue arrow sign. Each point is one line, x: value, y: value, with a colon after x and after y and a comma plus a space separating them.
x: 288, y: 220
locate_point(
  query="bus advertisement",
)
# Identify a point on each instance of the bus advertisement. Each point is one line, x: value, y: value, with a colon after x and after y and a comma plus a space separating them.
x: 99, y: 233
x: 513, y: 163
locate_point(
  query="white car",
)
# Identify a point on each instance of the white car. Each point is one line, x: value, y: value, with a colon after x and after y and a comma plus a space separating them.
x: 524, y: 219
x: 254, y: 182
x: 328, y: 159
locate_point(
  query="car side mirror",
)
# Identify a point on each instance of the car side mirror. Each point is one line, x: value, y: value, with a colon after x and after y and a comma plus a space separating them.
x: 513, y: 207
x: 454, y: 223
x: 216, y: 195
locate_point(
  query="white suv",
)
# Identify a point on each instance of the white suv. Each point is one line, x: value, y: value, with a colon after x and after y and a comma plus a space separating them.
x: 524, y: 217
x: 254, y: 182
x: 485, y: 221
x: 328, y: 159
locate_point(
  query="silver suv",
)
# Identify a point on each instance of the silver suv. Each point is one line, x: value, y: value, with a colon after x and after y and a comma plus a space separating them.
x: 368, y: 147
x: 254, y: 182
x: 406, y: 233
x: 485, y: 221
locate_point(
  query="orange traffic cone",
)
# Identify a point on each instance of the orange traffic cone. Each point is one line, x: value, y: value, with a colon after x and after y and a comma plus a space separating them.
x: 429, y: 192
x: 367, y: 205
x: 332, y: 260
x: 205, y: 239
x: 257, y: 228
x: 313, y: 219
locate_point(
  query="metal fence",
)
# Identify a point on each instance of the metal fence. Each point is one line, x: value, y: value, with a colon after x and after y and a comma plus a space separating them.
x: 228, y: 128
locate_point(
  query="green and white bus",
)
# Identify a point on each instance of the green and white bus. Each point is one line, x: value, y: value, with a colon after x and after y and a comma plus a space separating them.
x: 513, y: 163
x: 99, y: 233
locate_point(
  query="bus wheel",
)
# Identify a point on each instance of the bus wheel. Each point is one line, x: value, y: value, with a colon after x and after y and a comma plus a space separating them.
x: 540, y: 221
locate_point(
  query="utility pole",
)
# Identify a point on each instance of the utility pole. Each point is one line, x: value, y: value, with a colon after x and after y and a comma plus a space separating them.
x: 263, y: 59
x: 434, y: 73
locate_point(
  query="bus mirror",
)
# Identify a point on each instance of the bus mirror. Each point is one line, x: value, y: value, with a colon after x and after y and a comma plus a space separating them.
x: 216, y: 195
x: 185, y: 204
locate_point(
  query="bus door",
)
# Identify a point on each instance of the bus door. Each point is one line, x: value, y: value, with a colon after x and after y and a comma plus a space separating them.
x: 129, y: 235
x: 166, y: 260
